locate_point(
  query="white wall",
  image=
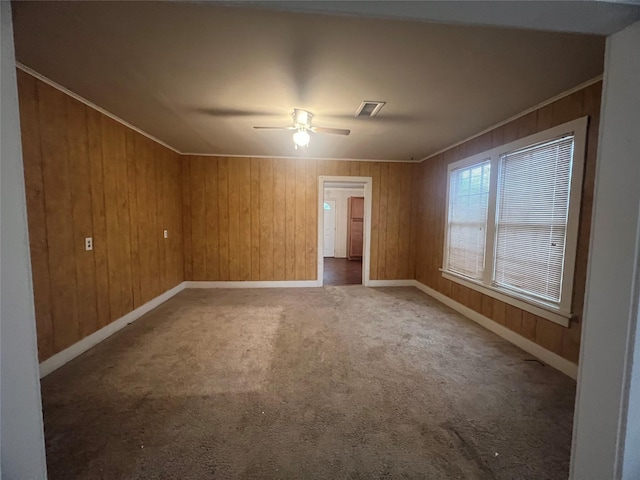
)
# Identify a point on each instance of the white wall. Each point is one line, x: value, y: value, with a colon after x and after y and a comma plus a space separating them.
x: 21, y: 432
x: 631, y: 457
x: 340, y: 195
x: 607, y: 421
x: 631, y: 461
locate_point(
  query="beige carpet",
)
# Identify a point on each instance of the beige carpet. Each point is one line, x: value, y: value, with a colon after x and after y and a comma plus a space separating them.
x: 322, y: 383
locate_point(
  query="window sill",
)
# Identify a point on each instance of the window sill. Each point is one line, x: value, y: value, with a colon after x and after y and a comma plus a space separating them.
x: 539, y: 309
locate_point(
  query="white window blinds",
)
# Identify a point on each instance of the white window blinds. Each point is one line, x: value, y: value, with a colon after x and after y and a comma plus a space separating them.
x: 531, y: 218
x: 467, y: 219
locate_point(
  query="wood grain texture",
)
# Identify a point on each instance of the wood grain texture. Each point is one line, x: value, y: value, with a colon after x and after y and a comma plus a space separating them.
x: 233, y: 218
x: 89, y: 176
x: 254, y: 210
x: 37, y: 219
x: 211, y: 216
x: 185, y: 166
x: 223, y: 218
x: 429, y: 203
x: 80, y: 179
x: 60, y: 232
x: 245, y: 218
x: 266, y: 224
x: 290, y: 220
x: 272, y: 211
x: 311, y: 227
x: 98, y: 210
x: 279, y: 219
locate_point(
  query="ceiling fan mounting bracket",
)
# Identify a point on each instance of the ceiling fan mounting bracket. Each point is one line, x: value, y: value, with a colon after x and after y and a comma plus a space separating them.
x: 302, y: 118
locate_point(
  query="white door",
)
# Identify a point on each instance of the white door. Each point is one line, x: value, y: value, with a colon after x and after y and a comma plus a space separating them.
x: 329, y: 244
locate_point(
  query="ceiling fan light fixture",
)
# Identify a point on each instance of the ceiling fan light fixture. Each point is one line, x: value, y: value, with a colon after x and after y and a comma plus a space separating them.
x: 301, y: 138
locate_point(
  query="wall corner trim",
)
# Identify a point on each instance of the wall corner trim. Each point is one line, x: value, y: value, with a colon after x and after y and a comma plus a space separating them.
x: 553, y: 360
x: 92, y: 105
x: 549, y: 101
x: 78, y: 348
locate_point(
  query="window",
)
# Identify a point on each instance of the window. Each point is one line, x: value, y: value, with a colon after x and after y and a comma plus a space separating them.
x: 512, y: 220
x: 469, y: 187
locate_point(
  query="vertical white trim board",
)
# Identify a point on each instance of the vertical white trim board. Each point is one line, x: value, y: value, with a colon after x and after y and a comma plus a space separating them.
x: 556, y: 361
x: 78, y: 348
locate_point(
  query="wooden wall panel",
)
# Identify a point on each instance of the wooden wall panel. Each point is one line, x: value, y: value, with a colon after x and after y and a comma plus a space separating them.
x: 267, y: 224
x: 429, y: 203
x: 268, y: 211
x: 37, y: 218
x: 117, y: 210
x: 383, y: 221
x: 290, y: 220
x: 235, y: 249
x: 60, y: 234
x: 300, y: 244
x: 223, y: 215
x: 245, y: 218
x: 255, y: 210
x: 198, y: 220
x: 80, y: 178
x: 185, y: 165
x: 311, y: 227
x: 133, y: 217
x: 212, y: 239
x: 98, y: 212
x: 87, y: 175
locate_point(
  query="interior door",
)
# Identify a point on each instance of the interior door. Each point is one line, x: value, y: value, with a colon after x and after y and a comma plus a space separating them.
x: 329, y: 243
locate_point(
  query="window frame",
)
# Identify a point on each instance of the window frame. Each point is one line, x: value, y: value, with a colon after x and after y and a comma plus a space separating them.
x: 560, y: 313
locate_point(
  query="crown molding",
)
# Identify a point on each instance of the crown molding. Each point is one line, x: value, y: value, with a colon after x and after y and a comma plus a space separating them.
x: 566, y: 93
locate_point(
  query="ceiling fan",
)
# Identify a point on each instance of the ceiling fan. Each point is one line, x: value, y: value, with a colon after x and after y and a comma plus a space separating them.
x: 303, y: 128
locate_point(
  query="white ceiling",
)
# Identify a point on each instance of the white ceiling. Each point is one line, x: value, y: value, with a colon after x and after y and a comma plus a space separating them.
x: 599, y: 17
x: 199, y: 76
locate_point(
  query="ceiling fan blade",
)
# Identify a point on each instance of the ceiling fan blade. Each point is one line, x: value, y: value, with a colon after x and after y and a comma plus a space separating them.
x: 333, y: 131
x: 233, y: 112
x: 275, y: 128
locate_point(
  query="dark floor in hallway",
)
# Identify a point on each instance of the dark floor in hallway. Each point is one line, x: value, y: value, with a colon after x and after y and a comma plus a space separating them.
x: 306, y: 383
x: 341, y: 271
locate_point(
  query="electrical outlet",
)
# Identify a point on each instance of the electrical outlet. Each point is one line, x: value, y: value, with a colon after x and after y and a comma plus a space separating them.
x: 166, y: 234
x: 88, y: 243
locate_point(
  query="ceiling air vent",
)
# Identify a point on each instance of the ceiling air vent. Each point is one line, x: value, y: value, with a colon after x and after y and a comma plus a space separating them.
x: 369, y: 109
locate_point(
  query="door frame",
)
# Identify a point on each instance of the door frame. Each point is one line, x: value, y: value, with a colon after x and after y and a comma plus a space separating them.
x: 367, y: 183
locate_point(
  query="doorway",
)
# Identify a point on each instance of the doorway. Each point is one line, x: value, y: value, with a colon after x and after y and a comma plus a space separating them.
x: 344, y: 230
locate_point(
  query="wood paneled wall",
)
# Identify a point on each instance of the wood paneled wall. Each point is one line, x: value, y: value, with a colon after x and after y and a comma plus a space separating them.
x: 89, y: 176
x: 256, y: 219
x: 234, y: 218
x: 430, y: 199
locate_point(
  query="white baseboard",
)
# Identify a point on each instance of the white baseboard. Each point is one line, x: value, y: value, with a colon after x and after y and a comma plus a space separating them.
x: 254, y: 284
x: 391, y: 283
x: 556, y: 361
x: 68, y: 354
x: 550, y: 358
